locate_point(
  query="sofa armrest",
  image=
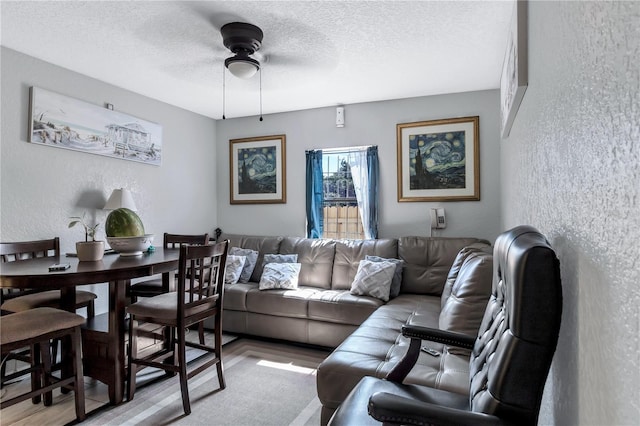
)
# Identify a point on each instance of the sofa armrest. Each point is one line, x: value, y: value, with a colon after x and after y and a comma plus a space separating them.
x: 417, y: 334
x: 394, y: 409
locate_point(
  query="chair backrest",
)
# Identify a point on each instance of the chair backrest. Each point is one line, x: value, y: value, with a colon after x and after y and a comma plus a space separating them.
x: 24, y: 250
x: 176, y: 240
x: 201, y: 281
x: 511, y: 358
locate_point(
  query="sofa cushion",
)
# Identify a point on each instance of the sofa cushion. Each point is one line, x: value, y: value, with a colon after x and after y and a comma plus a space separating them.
x: 340, y: 306
x: 349, y: 253
x: 279, y: 275
x: 315, y: 256
x: 427, y: 262
x: 259, y: 243
x: 464, y: 308
x: 397, y: 275
x: 235, y: 295
x: 373, y: 279
x: 280, y: 302
x: 457, y: 264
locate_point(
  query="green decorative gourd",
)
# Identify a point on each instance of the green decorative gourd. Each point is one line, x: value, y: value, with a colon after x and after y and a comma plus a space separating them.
x: 124, y: 223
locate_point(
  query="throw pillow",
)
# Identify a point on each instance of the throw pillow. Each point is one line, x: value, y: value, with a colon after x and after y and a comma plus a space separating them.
x: 397, y: 275
x: 249, y: 263
x: 234, y: 267
x: 280, y: 275
x: 279, y: 258
x: 373, y: 279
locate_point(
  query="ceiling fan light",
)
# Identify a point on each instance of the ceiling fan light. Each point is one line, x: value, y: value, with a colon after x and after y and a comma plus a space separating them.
x: 242, y: 66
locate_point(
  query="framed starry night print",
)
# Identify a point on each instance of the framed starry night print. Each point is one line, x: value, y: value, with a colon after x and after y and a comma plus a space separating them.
x: 258, y: 170
x: 438, y: 160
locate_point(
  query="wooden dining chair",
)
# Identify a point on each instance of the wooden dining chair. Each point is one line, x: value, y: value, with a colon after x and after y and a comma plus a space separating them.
x: 20, y: 300
x: 154, y: 286
x: 37, y: 328
x: 199, y: 295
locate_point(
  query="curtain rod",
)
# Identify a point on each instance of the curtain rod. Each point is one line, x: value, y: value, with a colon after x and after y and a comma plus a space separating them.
x: 346, y: 149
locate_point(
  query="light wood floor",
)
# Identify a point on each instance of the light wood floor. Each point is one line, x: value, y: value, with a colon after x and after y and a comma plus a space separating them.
x: 62, y: 411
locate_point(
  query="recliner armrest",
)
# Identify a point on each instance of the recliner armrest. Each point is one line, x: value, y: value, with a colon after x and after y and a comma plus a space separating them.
x: 394, y: 409
x: 439, y: 336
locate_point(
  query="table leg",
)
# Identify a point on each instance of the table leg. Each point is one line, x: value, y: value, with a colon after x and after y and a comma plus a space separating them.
x: 103, y: 341
x: 117, y: 305
x: 67, y: 303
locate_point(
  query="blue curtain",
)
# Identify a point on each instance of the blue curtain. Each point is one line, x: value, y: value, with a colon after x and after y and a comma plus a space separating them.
x: 374, y: 176
x: 315, y: 198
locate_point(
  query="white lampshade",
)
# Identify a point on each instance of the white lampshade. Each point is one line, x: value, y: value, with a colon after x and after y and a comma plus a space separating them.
x: 120, y: 198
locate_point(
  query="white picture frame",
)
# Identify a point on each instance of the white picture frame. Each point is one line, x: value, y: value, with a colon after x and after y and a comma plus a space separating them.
x: 515, y: 78
x: 63, y: 122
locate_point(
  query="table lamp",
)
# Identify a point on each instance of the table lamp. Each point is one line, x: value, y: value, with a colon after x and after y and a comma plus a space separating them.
x: 120, y: 198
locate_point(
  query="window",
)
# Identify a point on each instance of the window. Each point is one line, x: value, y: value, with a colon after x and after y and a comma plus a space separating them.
x: 341, y: 216
x: 342, y: 193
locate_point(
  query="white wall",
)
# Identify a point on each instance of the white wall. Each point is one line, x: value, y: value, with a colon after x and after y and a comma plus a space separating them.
x: 366, y: 124
x: 571, y: 167
x: 42, y: 186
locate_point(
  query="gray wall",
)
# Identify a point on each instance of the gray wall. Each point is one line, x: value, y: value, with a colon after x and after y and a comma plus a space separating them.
x: 571, y: 167
x: 42, y: 186
x: 366, y: 124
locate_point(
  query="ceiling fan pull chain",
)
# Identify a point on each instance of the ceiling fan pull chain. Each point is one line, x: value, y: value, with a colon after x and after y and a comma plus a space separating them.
x: 224, y: 91
x: 260, y: 93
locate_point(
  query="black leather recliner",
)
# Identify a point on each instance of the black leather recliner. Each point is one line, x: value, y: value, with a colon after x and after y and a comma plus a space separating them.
x: 510, y: 359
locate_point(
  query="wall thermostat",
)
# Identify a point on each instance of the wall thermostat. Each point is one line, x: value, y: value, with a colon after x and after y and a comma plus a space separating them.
x: 340, y: 117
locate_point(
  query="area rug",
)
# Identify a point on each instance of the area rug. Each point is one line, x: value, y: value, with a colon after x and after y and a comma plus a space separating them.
x: 267, y: 384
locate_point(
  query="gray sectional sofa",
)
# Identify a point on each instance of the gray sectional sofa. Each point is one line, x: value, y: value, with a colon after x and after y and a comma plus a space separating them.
x: 446, y: 283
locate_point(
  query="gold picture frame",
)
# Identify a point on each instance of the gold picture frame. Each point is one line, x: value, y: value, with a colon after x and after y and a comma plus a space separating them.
x: 257, y: 168
x: 439, y: 160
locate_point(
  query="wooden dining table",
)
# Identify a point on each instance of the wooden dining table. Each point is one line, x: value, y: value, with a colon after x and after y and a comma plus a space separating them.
x: 103, y: 337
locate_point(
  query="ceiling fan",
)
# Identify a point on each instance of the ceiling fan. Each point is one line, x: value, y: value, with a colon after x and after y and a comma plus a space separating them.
x: 243, y: 40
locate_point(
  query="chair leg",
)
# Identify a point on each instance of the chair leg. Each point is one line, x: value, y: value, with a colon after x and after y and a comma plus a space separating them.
x: 201, y: 332
x: 46, y: 380
x: 78, y: 385
x: 37, y: 378
x: 132, y: 352
x: 91, y: 310
x: 182, y: 362
x: 218, y: 352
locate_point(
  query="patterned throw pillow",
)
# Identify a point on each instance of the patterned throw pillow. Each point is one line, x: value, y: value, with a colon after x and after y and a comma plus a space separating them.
x: 279, y: 258
x: 373, y: 279
x: 280, y: 275
x: 249, y: 263
x: 233, y: 268
x: 397, y: 276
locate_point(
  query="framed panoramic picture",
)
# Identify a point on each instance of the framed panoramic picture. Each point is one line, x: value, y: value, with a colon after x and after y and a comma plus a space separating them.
x: 514, y: 79
x: 63, y: 122
x: 258, y: 170
x: 438, y: 160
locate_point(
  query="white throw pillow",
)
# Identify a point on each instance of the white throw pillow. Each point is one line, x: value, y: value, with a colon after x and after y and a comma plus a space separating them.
x: 279, y: 258
x: 280, y: 275
x: 396, y: 283
x: 234, y: 267
x: 373, y: 279
x: 249, y: 263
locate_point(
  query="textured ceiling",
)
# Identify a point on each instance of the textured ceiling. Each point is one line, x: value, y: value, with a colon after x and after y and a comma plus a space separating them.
x: 314, y: 53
